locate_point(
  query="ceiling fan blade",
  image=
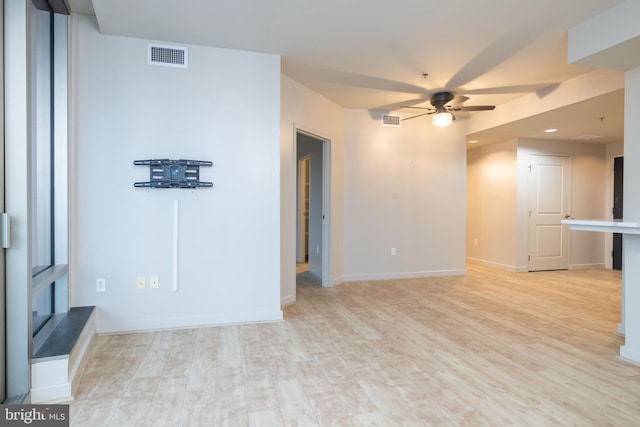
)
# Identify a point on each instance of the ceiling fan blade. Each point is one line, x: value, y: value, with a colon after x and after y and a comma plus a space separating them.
x: 402, y: 104
x: 344, y: 78
x: 458, y: 100
x: 418, y: 108
x: 418, y: 115
x: 545, y: 87
x: 497, y: 53
x: 476, y: 108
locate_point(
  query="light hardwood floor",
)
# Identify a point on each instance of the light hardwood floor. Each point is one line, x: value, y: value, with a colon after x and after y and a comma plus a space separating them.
x: 488, y: 349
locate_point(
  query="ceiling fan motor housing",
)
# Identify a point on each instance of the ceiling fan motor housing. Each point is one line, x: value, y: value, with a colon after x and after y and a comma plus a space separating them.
x: 440, y: 99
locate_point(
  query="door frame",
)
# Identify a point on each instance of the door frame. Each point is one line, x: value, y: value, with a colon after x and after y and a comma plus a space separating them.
x: 3, y: 350
x: 326, y: 197
x: 610, y: 243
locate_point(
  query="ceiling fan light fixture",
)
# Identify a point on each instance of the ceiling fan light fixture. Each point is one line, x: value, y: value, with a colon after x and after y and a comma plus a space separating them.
x: 442, y: 119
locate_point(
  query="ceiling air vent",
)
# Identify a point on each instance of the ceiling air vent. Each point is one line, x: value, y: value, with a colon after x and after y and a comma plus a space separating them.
x: 389, y: 120
x: 168, y: 56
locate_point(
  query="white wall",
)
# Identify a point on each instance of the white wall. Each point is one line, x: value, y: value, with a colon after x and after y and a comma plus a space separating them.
x: 492, y: 176
x: 404, y: 189
x: 615, y: 149
x: 224, y: 108
x: 498, y: 201
x: 631, y: 211
x: 588, y: 182
x: 632, y: 146
x: 306, y: 110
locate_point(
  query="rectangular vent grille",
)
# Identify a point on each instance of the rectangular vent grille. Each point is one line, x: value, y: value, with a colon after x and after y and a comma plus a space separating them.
x: 168, y: 56
x: 389, y: 120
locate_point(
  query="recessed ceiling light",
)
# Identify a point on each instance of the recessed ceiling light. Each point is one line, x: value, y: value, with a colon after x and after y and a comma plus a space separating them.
x: 473, y: 141
x: 551, y: 130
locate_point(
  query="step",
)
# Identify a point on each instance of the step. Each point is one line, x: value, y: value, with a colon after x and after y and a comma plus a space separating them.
x: 58, y: 362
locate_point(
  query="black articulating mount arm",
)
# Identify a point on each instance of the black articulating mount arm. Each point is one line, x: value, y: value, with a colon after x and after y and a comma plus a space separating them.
x: 165, y: 173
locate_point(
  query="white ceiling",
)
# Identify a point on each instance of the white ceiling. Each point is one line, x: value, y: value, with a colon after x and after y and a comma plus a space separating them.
x: 371, y: 54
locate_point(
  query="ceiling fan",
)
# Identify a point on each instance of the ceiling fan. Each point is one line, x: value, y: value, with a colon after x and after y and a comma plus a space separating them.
x: 443, y: 104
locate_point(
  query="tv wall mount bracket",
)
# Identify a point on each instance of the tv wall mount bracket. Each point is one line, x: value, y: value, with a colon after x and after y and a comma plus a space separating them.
x: 165, y: 173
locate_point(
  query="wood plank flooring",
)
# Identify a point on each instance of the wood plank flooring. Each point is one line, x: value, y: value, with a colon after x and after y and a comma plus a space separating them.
x: 488, y: 349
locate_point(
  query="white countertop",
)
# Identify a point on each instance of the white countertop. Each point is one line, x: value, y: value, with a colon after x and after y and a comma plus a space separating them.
x: 623, y: 226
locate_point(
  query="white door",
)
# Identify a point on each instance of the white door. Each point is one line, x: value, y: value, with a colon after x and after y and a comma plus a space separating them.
x: 549, y: 203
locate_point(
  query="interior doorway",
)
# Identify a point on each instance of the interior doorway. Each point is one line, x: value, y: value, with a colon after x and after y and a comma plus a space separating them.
x: 303, y: 210
x: 312, y: 205
x: 618, y: 184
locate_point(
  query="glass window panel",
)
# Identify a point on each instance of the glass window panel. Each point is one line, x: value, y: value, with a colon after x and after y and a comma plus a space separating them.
x: 42, y: 255
x: 41, y: 133
x: 42, y: 308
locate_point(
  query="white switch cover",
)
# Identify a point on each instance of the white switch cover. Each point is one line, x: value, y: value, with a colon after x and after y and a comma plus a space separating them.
x: 141, y: 282
x: 101, y: 285
x: 153, y: 282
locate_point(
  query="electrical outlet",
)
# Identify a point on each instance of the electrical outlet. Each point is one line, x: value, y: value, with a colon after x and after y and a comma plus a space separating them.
x: 141, y: 282
x: 153, y: 282
x: 393, y: 251
x: 101, y: 285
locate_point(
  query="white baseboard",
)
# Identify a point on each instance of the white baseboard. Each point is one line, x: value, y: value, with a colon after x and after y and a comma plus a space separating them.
x: 114, y: 325
x: 506, y: 267
x: 288, y: 300
x: 404, y: 275
x: 77, y: 358
x: 630, y: 354
x: 587, y: 266
x: 50, y: 380
x: 337, y: 281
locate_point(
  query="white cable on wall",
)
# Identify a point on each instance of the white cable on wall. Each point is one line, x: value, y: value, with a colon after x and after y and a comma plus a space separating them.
x: 175, y: 245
